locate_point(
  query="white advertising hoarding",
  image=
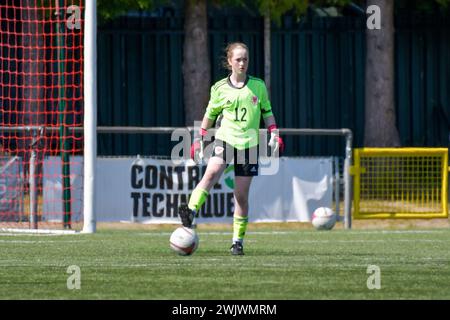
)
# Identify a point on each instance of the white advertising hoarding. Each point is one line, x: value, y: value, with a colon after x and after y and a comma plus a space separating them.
x: 150, y: 190
x: 11, y: 188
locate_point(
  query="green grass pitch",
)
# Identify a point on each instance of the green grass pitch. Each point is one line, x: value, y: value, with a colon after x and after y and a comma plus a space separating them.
x: 285, y: 262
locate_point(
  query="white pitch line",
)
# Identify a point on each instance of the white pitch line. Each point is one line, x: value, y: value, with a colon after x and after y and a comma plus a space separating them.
x: 215, y: 233
x: 39, y: 231
x: 220, y: 233
x: 40, y: 241
x: 11, y: 234
x: 369, y: 240
x: 396, y: 231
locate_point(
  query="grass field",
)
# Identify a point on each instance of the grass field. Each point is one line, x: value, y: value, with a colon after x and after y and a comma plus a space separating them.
x: 282, y: 261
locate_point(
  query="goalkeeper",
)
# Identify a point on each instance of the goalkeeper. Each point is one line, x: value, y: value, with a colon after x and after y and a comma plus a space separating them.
x: 241, y: 100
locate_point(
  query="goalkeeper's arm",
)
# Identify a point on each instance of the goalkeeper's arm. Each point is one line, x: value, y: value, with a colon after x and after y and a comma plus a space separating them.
x: 207, y: 123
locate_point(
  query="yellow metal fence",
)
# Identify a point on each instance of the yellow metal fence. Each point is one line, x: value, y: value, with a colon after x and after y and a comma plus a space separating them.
x: 400, y: 183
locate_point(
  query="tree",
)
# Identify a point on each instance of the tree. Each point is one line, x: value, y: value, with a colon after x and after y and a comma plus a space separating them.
x: 380, y: 119
x: 196, y: 64
x: 380, y: 114
x: 32, y: 78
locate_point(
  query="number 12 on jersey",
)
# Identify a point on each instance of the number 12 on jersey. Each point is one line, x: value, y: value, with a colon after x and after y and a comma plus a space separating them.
x: 243, y: 113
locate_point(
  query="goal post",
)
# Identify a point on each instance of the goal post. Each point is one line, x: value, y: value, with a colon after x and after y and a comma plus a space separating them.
x: 48, y: 115
x: 90, y: 115
x: 402, y: 183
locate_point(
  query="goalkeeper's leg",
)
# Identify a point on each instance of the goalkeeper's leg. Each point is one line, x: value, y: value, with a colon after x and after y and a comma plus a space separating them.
x: 188, y: 212
x: 240, y: 219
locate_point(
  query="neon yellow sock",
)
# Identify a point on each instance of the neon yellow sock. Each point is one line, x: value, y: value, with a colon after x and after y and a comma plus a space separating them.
x: 198, y: 198
x: 239, y: 228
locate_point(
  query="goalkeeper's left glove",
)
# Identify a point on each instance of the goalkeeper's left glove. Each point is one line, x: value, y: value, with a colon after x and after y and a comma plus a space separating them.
x: 275, y: 142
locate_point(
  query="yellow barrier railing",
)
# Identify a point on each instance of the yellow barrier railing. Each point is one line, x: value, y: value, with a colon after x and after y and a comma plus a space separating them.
x: 400, y: 183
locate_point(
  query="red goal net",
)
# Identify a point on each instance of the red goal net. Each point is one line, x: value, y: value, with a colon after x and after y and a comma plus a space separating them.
x: 41, y: 116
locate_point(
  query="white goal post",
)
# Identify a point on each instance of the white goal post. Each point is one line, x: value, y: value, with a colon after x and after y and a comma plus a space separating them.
x: 90, y: 114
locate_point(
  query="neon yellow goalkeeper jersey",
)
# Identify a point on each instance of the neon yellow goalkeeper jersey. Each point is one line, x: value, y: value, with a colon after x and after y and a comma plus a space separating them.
x: 241, y: 109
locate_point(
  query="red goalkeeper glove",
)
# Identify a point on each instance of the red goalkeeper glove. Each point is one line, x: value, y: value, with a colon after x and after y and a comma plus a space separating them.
x: 198, y: 145
x: 275, y: 142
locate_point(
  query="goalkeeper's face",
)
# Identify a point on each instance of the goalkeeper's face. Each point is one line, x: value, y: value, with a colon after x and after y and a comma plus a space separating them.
x: 239, y: 61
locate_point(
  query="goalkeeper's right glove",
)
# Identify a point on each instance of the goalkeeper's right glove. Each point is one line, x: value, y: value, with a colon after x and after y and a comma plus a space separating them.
x: 275, y: 143
x: 198, y: 146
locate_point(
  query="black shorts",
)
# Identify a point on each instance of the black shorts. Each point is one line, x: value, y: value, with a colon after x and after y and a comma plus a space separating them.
x: 245, y: 161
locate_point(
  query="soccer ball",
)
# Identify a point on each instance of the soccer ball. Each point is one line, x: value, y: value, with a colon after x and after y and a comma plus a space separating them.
x: 323, y: 218
x: 184, y: 241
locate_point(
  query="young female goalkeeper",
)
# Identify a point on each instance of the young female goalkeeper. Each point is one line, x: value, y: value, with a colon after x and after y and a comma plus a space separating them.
x: 241, y: 100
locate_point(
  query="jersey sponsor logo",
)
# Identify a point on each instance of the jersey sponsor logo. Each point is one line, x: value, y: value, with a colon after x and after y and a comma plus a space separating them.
x: 255, y: 100
x: 218, y: 150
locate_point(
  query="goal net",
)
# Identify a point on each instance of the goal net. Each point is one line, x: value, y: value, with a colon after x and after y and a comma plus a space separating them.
x: 42, y: 114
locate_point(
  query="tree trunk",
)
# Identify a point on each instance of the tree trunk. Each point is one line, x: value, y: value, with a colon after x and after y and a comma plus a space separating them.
x: 32, y: 77
x: 32, y: 64
x: 380, y: 119
x: 196, y: 65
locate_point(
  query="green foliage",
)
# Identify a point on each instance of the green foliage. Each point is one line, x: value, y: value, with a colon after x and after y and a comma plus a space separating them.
x: 425, y: 6
x: 269, y: 7
x: 331, y: 3
x: 277, y: 8
x: 109, y: 9
x: 443, y: 3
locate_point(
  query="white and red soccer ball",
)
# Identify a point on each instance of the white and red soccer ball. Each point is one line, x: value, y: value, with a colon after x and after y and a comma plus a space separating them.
x: 184, y: 241
x: 323, y: 218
